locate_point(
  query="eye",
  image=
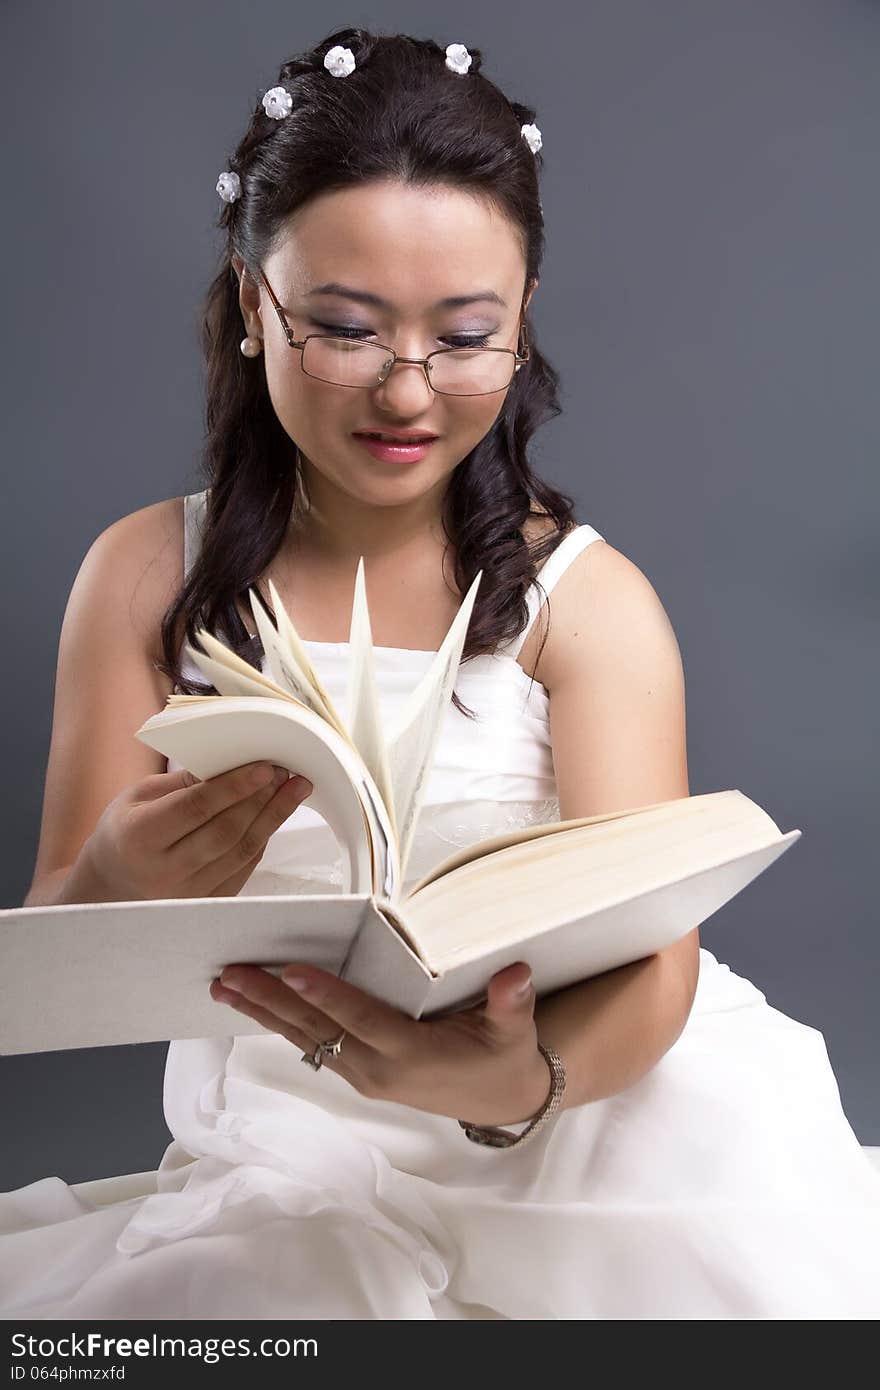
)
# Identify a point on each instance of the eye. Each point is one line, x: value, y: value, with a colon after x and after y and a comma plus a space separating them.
x: 459, y: 340
x: 467, y: 340
x: 342, y: 329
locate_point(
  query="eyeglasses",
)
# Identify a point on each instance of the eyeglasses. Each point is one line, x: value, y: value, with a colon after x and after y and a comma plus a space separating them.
x: 342, y: 361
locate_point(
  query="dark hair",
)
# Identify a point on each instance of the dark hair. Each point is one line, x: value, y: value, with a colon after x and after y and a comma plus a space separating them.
x: 401, y: 114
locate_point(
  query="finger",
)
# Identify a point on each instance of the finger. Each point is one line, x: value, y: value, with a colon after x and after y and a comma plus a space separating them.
x: 168, y: 819
x: 510, y: 998
x: 248, y: 840
x: 362, y: 1015
x: 210, y: 841
x: 232, y: 886
x: 161, y: 783
x: 261, y: 987
x: 345, y: 1065
x: 164, y: 783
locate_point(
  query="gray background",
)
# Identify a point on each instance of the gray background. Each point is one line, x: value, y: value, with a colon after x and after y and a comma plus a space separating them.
x: 710, y: 292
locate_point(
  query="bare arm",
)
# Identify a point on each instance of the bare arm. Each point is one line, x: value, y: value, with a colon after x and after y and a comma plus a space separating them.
x: 105, y: 687
x: 617, y: 718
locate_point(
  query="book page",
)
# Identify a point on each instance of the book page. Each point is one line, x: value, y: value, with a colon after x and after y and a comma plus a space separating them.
x: 566, y: 944
x: 518, y: 891
x: 506, y: 838
x: 363, y: 713
x: 230, y: 673
x: 413, y: 738
x: 289, y: 661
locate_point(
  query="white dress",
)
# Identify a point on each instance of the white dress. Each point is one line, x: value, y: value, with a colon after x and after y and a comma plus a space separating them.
x: 726, y: 1183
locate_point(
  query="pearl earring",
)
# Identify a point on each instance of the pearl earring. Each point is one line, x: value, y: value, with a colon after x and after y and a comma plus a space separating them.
x: 251, y: 347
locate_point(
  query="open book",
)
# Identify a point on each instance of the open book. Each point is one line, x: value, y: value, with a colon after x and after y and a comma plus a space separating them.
x: 573, y: 898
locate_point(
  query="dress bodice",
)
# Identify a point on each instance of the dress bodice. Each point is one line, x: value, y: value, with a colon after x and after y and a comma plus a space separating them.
x: 490, y: 773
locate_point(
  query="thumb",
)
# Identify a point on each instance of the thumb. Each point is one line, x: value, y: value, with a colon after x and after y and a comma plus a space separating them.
x: 187, y: 779
x: 511, y: 995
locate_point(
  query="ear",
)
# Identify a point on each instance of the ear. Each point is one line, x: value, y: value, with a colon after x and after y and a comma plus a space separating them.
x: 529, y: 293
x: 248, y: 298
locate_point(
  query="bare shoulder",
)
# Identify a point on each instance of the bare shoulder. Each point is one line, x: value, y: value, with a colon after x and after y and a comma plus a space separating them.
x: 144, y: 551
x: 603, y: 609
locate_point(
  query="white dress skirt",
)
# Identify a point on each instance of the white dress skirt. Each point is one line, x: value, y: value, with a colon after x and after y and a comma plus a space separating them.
x: 726, y: 1183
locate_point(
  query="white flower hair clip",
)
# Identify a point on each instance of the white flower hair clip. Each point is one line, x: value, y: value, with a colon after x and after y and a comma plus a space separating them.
x: 457, y: 57
x: 278, y: 103
x: 532, y: 136
x: 229, y: 186
x: 339, y: 61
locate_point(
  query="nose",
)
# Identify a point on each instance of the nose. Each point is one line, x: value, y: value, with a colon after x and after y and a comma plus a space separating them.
x: 406, y: 388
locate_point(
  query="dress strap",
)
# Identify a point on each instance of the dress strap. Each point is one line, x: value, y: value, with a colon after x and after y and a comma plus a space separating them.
x: 194, y: 507
x: 550, y: 572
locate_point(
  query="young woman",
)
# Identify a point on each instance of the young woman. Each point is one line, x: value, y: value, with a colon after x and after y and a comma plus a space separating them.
x: 383, y: 244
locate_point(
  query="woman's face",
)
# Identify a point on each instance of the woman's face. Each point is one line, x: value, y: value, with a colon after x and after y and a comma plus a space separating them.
x: 412, y: 248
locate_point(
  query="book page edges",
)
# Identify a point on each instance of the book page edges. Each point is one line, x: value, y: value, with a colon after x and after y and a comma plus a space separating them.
x: 562, y: 953
x: 536, y: 832
x: 581, y: 877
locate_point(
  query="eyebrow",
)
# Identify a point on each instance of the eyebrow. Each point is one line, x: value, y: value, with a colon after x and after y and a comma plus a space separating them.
x: 453, y: 301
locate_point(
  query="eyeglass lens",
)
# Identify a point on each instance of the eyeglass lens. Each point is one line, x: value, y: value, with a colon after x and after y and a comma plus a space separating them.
x: 461, y: 371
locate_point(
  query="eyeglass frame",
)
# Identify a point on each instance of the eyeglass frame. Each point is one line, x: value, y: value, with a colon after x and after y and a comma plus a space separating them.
x: 521, y: 355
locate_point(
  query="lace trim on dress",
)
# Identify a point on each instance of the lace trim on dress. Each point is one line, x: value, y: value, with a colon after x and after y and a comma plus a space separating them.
x: 501, y: 817
x: 441, y: 829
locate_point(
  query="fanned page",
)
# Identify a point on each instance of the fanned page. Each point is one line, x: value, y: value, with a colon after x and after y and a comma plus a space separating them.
x: 289, y: 661
x: 228, y: 672
x: 232, y: 675
x: 413, y: 738
x: 364, y: 715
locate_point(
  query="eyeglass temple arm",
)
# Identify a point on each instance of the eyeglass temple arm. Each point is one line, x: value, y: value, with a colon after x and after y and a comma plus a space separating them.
x: 288, y: 331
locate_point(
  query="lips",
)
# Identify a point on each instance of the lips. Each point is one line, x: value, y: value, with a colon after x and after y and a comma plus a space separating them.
x: 396, y: 452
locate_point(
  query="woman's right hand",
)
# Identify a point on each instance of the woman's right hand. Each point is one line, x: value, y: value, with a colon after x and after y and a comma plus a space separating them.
x: 171, y: 835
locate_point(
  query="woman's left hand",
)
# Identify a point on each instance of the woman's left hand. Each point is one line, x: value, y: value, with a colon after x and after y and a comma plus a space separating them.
x: 481, y: 1064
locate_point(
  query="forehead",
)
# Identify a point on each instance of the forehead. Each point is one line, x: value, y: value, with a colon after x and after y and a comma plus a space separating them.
x: 412, y: 246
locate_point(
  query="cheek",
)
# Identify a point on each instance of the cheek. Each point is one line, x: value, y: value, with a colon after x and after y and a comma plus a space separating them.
x: 299, y: 408
x: 476, y: 417
x: 283, y: 382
